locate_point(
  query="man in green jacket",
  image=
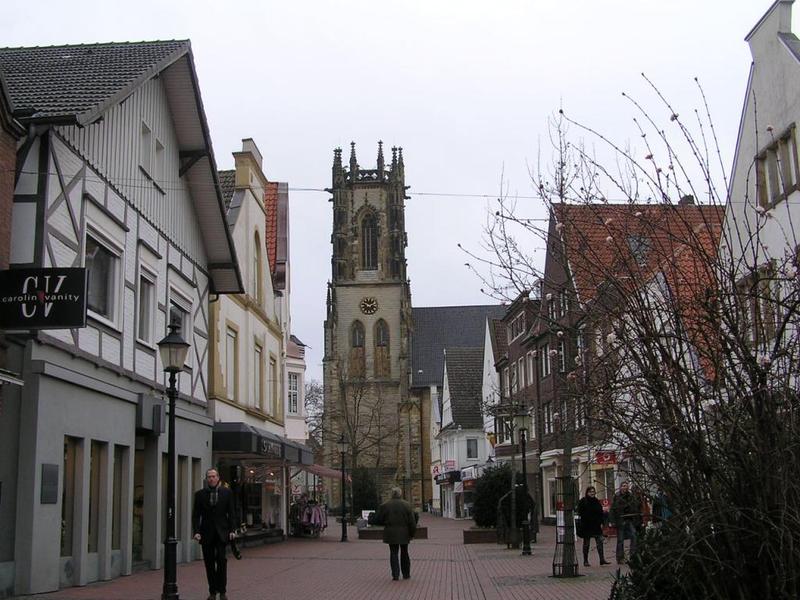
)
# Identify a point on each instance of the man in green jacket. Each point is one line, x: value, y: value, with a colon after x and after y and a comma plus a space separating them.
x: 399, y: 526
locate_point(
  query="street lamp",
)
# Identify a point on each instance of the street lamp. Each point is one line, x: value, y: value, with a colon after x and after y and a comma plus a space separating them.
x: 342, y: 444
x: 526, y: 525
x: 173, y: 349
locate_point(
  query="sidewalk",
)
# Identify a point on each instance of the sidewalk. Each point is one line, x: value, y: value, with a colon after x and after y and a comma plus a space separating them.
x: 442, y: 567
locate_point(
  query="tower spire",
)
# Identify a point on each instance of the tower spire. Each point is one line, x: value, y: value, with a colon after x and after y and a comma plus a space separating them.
x: 353, y: 161
x: 381, y: 163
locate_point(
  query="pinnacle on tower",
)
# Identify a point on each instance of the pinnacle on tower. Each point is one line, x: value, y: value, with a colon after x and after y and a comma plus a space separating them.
x: 353, y: 161
x: 381, y: 164
x: 394, y: 157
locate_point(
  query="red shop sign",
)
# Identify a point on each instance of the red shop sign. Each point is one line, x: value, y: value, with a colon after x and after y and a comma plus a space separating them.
x: 605, y: 457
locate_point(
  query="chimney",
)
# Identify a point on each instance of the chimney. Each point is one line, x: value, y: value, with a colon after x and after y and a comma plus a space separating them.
x: 248, y: 145
x: 687, y: 200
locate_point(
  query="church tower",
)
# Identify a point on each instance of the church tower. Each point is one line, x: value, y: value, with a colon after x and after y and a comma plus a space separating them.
x: 367, y: 329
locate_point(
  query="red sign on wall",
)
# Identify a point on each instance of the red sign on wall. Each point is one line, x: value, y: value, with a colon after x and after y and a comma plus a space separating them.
x: 605, y: 457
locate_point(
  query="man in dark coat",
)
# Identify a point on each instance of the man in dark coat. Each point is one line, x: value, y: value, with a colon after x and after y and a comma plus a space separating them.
x: 590, y: 511
x: 399, y: 526
x: 213, y: 525
x: 626, y: 516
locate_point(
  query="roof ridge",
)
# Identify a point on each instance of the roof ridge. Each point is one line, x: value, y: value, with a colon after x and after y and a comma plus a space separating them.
x: 95, y: 44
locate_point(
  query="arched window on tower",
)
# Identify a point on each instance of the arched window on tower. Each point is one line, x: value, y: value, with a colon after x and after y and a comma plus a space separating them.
x: 357, y: 360
x: 383, y: 365
x: 369, y: 243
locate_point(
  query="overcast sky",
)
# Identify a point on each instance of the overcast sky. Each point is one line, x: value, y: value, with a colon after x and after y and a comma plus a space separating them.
x: 465, y: 87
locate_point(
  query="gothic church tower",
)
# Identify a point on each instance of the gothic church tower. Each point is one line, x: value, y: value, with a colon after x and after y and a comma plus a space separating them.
x: 367, y: 328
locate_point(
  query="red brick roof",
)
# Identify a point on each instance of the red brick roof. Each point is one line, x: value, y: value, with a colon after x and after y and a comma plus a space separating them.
x: 271, y: 208
x: 604, y: 241
x: 630, y: 244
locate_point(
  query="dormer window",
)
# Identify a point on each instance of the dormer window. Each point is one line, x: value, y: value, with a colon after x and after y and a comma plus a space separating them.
x: 517, y: 327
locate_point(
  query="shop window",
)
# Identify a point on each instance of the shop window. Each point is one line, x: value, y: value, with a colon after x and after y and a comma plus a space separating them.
x: 97, y: 449
x: 120, y: 455
x: 180, y: 501
x: 71, y: 446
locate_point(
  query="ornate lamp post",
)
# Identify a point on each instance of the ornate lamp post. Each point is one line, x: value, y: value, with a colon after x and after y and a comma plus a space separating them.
x: 342, y: 444
x: 526, y: 525
x: 173, y: 349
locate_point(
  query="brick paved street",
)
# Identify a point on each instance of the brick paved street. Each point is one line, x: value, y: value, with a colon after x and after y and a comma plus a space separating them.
x: 442, y: 568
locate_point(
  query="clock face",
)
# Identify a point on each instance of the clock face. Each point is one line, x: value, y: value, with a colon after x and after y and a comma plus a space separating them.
x: 368, y: 305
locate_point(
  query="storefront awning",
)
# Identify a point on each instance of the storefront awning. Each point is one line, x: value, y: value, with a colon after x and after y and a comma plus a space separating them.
x: 323, y: 471
x: 247, y: 441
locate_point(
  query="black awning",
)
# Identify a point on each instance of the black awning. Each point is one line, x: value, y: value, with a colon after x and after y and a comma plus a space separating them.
x: 241, y: 438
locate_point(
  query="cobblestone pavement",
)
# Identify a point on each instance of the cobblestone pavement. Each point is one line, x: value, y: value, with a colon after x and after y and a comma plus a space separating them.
x: 442, y: 568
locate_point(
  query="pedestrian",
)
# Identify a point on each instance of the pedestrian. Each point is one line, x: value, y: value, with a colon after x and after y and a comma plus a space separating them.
x: 590, y: 511
x: 662, y: 508
x: 213, y: 525
x: 399, y: 526
x: 626, y: 516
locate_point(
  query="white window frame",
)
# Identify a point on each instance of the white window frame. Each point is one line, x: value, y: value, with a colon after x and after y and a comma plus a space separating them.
x: 562, y: 356
x: 259, y: 371
x: 475, y: 440
x: 547, y: 408
x: 148, y: 274
x: 118, y: 251
x: 544, y: 351
x: 232, y: 363
x: 182, y: 301
x: 293, y: 393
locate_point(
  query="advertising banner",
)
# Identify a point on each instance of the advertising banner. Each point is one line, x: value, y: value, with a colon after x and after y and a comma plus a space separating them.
x: 43, y: 298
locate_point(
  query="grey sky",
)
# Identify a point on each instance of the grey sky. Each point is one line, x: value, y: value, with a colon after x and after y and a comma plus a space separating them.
x: 464, y: 86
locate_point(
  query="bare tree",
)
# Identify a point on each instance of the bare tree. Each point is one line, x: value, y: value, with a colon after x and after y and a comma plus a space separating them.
x: 685, y: 348
x: 314, y: 405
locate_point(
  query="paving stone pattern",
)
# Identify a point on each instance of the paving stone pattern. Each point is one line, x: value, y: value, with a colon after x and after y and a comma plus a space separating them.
x: 442, y: 568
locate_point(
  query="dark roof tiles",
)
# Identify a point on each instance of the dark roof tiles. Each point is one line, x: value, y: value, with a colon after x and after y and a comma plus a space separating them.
x: 437, y: 327
x: 60, y: 82
x: 464, y: 377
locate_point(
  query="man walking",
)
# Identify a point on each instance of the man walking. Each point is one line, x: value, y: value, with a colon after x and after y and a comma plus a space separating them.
x: 626, y: 515
x: 213, y: 524
x: 399, y: 526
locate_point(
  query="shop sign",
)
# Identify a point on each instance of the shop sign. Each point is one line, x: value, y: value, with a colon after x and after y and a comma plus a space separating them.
x: 448, y: 477
x: 469, y: 484
x: 435, y: 470
x: 605, y: 457
x: 449, y: 465
x: 267, y: 447
x: 43, y: 298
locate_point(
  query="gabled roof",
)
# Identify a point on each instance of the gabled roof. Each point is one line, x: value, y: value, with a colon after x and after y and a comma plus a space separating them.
x: 7, y: 120
x: 499, y: 339
x: 227, y: 184
x: 76, y: 85
x: 438, y: 327
x: 601, y: 241
x: 464, y: 378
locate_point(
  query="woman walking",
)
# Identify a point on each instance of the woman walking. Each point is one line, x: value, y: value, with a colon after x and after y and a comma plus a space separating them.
x: 591, y: 513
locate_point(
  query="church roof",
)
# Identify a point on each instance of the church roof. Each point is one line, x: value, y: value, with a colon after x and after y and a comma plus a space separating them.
x: 439, y: 327
x: 464, y: 378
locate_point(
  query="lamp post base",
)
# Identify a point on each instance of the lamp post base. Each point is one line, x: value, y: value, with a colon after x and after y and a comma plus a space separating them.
x: 170, y: 590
